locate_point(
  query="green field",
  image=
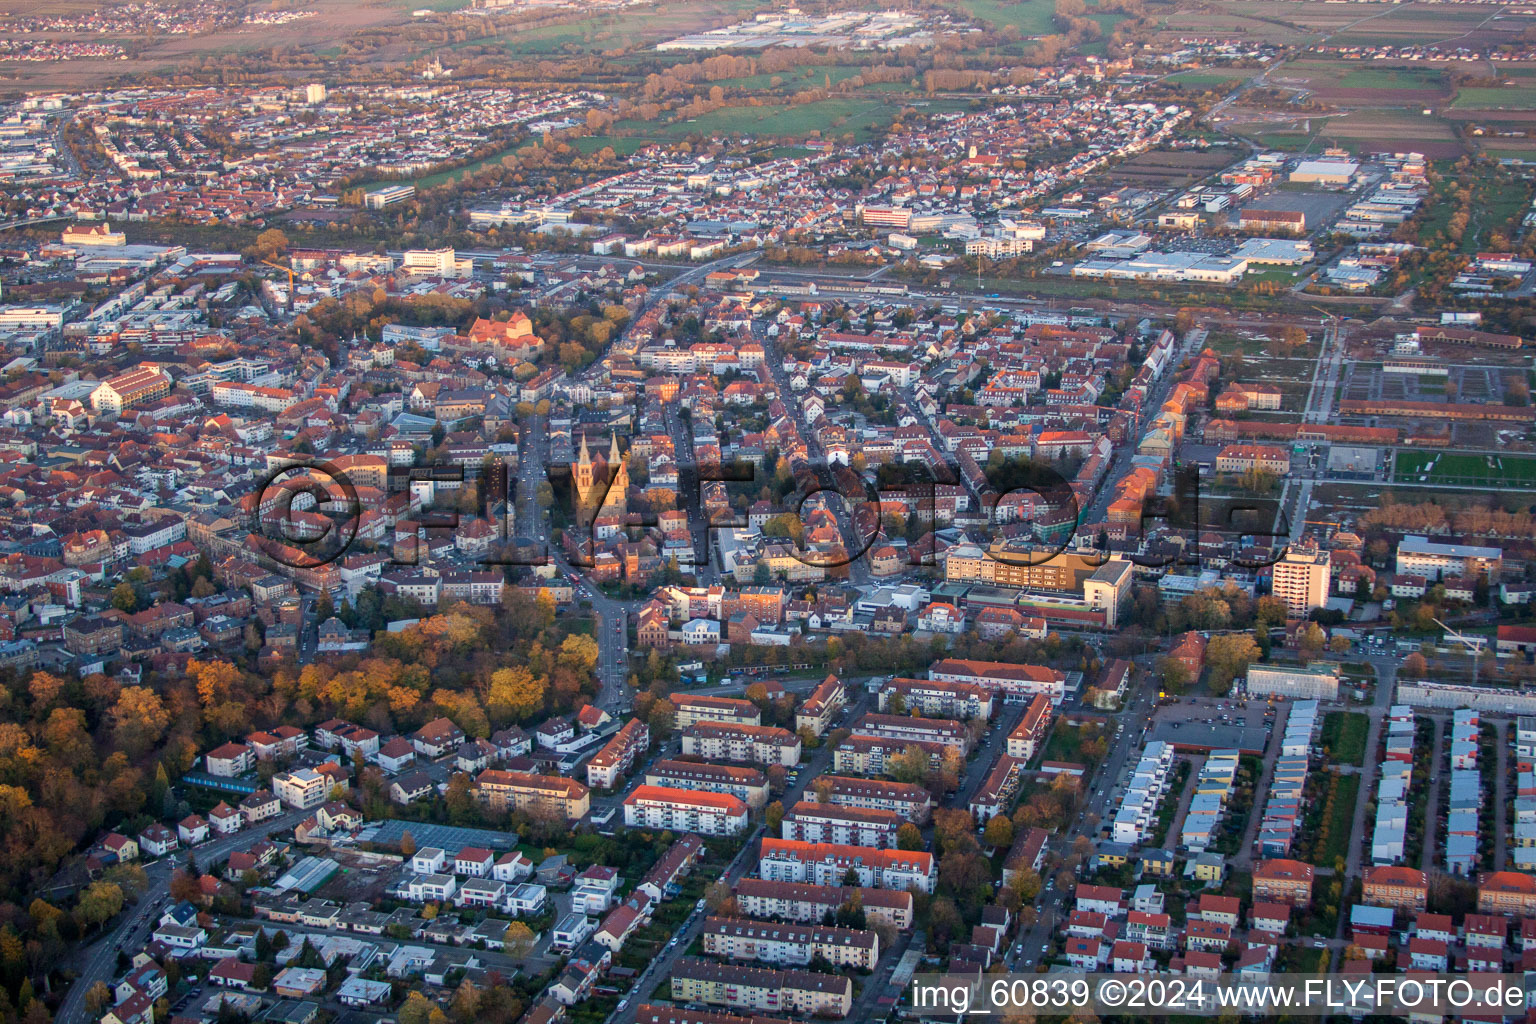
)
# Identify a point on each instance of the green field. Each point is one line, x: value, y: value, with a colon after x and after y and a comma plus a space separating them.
x: 431, y: 5
x: 1389, y: 78
x: 1461, y: 469
x: 832, y: 117
x: 1344, y: 734
x: 811, y: 76
x: 621, y: 146
x: 1030, y: 17
x: 1506, y: 98
x: 1205, y: 79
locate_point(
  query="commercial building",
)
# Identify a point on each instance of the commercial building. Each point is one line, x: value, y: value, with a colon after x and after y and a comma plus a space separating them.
x: 388, y: 196
x: 1259, y: 219
x: 1315, y: 682
x: 1325, y: 172
x: 1420, y: 556
x: 1016, y: 684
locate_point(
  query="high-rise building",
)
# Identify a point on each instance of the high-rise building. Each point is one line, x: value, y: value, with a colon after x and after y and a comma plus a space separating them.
x: 1300, y: 579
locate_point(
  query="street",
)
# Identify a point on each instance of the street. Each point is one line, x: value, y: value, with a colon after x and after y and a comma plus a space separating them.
x: 100, y: 963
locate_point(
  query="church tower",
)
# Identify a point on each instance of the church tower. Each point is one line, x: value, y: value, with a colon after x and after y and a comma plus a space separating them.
x: 584, y: 473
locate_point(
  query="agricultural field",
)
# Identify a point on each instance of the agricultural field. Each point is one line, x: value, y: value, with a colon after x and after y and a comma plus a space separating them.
x: 1030, y: 17
x: 1520, y: 97
x: 831, y: 117
x: 1172, y: 168
x: 1345, y: 83
x: 1464, y: 469
x: 1372, y: 131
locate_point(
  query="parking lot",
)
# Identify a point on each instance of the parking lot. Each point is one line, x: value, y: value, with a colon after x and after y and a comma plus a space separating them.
x: 1204, y: 723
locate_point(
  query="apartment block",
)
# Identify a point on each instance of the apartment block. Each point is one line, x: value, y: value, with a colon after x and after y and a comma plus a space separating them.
x: 817, y: 712
x: 747, y: 744
x: 1301, y: 580
x: 811, y: 822
x: 685, y: 810
x: 801, y: 993
x: 693, y: 708
x: 746, y: 784
x: 1030, y: 734
x: 618, y: 755
x: 787, y: 860
x: 531, y: 793
x: 793, y: 944
x: 804, y: 902
x: 911, y: 801
x: 936, y: 699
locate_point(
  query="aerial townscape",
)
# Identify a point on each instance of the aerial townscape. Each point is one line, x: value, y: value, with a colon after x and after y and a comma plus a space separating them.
x: 705, y: 511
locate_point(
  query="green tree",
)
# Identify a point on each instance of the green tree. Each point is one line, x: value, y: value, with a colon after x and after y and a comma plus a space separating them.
x: 124, y: 599
x: 909, y: 837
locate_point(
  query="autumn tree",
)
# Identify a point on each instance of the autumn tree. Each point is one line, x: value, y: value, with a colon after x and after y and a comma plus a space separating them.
x: 909, y: 837
x: 773, y: 815
x: 519, y: 940
x: 139, y: 718
x: 1228, y: 656
x: 514, y: 694
x: 999, y: 831
x: 98, y: 904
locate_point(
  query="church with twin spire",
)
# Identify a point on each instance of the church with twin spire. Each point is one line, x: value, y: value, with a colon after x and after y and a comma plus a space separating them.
x: 590, y: 475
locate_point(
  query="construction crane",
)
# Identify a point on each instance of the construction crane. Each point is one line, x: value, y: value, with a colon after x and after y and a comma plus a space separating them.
x: 1474, y: 644
x: 289, y: 272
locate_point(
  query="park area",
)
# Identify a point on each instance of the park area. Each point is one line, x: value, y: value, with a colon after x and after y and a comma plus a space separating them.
x: 1464, y: 469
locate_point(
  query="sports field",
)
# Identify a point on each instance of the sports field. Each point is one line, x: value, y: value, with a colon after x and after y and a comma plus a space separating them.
x: 1465, y: 469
